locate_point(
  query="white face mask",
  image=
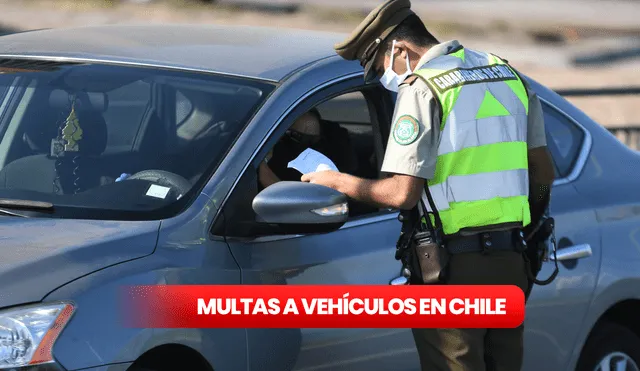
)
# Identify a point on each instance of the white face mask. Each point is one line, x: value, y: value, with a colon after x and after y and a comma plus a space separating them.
x: 391, y: 80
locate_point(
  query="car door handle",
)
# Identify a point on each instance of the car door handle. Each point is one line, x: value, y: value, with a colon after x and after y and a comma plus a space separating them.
x: 572, y: 252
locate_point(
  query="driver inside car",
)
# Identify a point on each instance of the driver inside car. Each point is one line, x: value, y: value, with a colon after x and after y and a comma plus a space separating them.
x: 308, y: 131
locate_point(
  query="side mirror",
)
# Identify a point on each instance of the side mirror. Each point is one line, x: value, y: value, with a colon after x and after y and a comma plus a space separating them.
x: 301, y: 208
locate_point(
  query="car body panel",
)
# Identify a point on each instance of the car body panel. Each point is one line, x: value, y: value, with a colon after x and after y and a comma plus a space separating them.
x: 185, y: 255
x: 569, y: 295
x: 616, y: 207
x: 360, y: 253
x: 35, y: 251
x: 114, y: 367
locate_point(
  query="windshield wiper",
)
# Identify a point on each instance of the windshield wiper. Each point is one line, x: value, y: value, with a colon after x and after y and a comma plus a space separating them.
x: 11, y: 213
x: 23, y: 205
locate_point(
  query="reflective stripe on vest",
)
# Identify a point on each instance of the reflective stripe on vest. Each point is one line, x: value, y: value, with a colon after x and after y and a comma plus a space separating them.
x: 481, y: 175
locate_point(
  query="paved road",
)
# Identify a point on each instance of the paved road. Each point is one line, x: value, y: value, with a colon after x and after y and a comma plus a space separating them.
x: 619, y: 14
x: 596, y: 52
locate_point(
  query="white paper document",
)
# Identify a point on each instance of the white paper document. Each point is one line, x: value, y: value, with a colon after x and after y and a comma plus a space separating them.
x: 311, y: 161
x: 158, y: 191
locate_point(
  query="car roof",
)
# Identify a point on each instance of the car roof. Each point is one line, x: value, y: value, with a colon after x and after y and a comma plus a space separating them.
x: 256, y: 52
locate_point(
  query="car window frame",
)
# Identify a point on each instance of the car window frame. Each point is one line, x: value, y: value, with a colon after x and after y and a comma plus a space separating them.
x: 312, y: 98
x: 584, y: 150
x: 382, y: 214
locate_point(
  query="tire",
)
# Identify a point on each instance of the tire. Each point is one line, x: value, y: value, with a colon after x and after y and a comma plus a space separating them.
x: 614, y: 342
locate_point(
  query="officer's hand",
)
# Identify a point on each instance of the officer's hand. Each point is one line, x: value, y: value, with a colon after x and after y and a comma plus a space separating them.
x: 327, y: 178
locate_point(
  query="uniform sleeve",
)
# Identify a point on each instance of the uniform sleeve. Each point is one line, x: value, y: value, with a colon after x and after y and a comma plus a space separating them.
x: 536, y: 135
x: 412, y: 148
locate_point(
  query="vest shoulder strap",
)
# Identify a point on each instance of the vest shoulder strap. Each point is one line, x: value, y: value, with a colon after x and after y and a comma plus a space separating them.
x: 409, y: 80
x: 436, y: 97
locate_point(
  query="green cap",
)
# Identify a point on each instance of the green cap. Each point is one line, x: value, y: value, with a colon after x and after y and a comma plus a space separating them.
x: 364, y: 42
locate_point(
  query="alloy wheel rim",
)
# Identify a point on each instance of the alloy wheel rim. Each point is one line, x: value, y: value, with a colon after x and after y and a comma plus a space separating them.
x: 617, y: 361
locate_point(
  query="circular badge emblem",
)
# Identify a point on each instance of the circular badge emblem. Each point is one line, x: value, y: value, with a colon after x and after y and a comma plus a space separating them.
x: 406, y: 130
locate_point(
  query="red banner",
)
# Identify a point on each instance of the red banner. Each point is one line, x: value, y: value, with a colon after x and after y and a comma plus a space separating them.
x: 281, y: 306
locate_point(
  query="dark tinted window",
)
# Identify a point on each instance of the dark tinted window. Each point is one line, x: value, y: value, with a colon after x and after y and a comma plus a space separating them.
x: 127, y: 105
x: 350, y: 108
x: 79, y: 136
x: 564, y: 140
x: 351, y: 112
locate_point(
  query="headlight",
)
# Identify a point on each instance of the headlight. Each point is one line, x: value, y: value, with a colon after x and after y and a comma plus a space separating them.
x: 27, y: 334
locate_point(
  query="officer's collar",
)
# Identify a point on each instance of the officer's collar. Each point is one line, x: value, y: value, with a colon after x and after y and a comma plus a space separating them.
x: 438, y: 50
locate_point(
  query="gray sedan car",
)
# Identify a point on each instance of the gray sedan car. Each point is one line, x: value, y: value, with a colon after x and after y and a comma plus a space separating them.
x: 129, y: 155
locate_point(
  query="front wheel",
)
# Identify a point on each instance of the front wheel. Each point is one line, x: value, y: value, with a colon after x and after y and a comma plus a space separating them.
x: 611, y: 347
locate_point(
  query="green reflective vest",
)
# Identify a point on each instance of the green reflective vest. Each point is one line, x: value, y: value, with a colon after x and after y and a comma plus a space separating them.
x: 481, y: 175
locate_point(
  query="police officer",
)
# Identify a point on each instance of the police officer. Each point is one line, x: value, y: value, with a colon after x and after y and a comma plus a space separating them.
x: 468, y: 132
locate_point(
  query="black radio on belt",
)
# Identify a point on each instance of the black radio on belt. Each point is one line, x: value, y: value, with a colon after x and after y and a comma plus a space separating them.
x: 410, y: 220
x: 421, y: 250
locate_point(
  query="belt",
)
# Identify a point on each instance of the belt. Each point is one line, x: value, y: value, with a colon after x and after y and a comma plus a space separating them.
x: 510, y: 240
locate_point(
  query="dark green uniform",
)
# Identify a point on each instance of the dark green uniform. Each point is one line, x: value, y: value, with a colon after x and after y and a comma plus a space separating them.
x: 476, y: 349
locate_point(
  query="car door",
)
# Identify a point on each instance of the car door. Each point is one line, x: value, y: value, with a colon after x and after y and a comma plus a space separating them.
x: 555, y: 312
x: 361, y: 252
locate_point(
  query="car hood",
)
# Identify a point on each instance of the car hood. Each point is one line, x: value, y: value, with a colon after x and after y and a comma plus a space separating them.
x: 40, y: 255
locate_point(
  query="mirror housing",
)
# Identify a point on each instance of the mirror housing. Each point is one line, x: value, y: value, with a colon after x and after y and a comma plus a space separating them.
x: 301, y: 208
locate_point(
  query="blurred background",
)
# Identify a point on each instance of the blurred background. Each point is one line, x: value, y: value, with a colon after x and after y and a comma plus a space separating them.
x: 565, y: 44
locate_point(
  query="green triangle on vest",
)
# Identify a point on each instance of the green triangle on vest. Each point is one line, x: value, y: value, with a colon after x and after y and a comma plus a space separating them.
x: 491, y: 107
x: 459, y: 54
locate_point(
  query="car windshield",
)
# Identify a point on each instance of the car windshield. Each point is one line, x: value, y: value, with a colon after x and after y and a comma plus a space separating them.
x: 113, y: 142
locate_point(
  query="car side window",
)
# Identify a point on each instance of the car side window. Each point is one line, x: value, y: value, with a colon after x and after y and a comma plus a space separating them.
x: 350, y: 113
x: 345, y: 121
x: 564, y: 140
x: 342, y: 126
x: 351, y: 119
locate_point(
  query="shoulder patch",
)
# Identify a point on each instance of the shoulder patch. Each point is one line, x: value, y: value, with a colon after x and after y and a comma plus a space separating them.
x: 406, y: 130
x: 409, y: 80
